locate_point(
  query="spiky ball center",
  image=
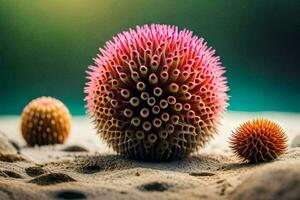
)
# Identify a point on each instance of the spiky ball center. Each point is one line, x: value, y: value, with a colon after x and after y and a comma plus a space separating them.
x: 152, y: 103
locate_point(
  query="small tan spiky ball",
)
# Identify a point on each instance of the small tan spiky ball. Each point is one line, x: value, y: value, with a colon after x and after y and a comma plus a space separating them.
x: 259, y: 140
x: 45, y: 120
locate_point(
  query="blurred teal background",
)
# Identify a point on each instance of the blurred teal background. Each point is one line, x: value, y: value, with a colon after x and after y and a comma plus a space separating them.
x: 46, y: 45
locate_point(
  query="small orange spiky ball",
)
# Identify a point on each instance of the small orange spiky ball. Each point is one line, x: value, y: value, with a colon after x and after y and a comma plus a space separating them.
x: 44, y: 121
x: 258, y: 140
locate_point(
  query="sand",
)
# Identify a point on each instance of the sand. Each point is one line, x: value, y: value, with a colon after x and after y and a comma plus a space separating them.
x: 85, y: 168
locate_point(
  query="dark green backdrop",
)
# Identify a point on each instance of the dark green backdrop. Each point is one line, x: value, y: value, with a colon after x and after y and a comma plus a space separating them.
x: 45, y: 46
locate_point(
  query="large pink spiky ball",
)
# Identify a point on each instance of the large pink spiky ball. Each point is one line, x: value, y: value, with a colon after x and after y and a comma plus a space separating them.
x: 156, y: 92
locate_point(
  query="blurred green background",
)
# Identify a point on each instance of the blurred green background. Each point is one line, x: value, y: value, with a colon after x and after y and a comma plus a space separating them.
x: 46, y: 45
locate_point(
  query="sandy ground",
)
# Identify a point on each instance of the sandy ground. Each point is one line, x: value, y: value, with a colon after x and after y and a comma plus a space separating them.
x: 84, y: 168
